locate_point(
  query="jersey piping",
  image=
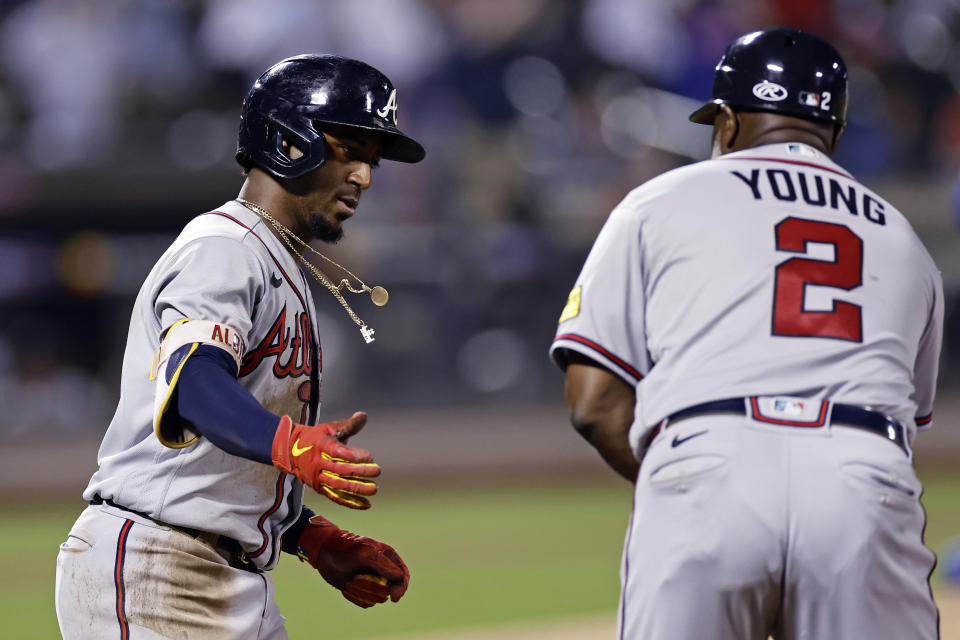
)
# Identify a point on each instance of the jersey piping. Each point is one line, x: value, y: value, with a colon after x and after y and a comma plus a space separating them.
x: 263, y: 518
x: 620, y: 362
x: 785, y: 161
x: 118, y: 579
x: 280, y: 480
x: 272, y: 257
x: 289, y: 281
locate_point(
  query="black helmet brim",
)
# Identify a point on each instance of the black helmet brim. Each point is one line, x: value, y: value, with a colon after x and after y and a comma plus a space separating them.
x: 394, y: 145
x: 707, y: 113
x: 401, y: 148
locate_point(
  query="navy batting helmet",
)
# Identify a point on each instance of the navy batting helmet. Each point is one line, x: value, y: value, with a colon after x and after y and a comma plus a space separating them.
x: 294, y: 97
x: 785, y: 71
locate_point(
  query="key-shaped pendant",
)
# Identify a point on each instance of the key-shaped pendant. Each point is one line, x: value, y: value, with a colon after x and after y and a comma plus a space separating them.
x: 367, y: 333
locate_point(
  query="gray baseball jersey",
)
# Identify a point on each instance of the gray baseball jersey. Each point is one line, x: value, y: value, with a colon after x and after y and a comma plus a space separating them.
x: 788, y: 278
x: 769, y: 274
x: 226, y: 267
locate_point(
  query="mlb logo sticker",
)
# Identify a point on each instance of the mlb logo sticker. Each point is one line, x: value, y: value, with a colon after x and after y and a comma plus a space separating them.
x: 789, y: 411
x: 788, y: 407
x: 802, y: 149
x: 809, y: 99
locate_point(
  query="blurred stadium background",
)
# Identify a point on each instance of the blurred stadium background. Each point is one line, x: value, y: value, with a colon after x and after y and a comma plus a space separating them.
x: 118, y: 123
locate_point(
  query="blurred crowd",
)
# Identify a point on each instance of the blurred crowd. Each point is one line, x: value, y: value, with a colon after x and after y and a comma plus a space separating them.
x: 118, y: 123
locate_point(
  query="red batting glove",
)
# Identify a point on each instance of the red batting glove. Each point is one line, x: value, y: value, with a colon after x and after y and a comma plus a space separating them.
x: 365, y: 570
x: 320, y: 458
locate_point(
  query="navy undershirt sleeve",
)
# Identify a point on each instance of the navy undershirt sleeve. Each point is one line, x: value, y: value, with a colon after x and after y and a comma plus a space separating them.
x: 209, y: 396
x: 290, y: 540
x: 220, y: 408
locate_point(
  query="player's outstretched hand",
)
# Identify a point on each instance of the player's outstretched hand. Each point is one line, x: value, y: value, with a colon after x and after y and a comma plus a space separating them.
x: 321, y: 459
x: 365, y: 570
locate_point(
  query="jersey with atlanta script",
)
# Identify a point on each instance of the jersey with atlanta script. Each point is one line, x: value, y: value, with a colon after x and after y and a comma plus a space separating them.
x: 769, y: 271
x: 226, y: 267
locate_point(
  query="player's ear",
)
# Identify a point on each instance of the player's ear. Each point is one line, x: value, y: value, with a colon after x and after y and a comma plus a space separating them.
x: 726, y: 128
x: 730, y: 128
x: 837, y: 132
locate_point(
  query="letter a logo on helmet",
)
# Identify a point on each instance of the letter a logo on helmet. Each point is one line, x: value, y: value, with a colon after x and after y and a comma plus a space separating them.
x: 770, y: 91
x: 294, y: 99
x: 390, y: 106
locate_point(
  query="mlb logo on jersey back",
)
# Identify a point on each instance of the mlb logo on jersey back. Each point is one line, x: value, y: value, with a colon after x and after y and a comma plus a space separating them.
x: 802, y: 150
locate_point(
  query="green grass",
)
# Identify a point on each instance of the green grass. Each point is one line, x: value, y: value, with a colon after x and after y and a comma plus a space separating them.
x: 477, y: 558
x: 941, y: 499
x: 29, y: 538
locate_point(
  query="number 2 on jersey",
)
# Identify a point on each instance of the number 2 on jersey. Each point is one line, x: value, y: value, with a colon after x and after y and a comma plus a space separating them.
x: 844, y: 321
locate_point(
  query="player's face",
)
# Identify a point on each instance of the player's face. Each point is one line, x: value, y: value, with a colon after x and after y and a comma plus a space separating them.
x: 328, y: 196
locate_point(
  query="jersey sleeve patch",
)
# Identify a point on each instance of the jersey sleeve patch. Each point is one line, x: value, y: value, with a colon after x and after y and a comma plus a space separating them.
x: 572, y: 308
x: 179, y: 343
x: 203, y: 332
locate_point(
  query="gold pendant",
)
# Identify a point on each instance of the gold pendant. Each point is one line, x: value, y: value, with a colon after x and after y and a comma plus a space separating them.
x: 379, y: 296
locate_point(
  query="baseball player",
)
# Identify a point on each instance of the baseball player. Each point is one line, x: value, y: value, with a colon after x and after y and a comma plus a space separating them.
x: 753, y: 342
x: 201, y: 472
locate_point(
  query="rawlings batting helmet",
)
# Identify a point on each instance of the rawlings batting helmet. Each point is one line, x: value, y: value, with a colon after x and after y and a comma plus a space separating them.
x: 785, y: 71
x: 294, y: 97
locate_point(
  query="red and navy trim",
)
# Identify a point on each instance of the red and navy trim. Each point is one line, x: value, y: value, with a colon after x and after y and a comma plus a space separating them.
x: 819, y: 422
x: 272, y: 257
x: 785, y: 161
x: 923, y: 420
x: 118, y: 579
x: 618, y: 361
x: 280, y: 480
x: 276, y: 505
x: 626, y: 568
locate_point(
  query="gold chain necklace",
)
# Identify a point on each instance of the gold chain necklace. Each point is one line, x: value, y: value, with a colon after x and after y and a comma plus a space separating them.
x: 378, y: 294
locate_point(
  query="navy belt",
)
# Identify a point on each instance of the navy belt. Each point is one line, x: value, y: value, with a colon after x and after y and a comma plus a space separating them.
x: 847, y: 415
x: 227, y: 547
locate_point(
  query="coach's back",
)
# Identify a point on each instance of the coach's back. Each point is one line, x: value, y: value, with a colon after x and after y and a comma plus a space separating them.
x: 772, y: 271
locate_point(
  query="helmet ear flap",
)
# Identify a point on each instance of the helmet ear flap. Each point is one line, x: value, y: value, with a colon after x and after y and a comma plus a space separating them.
x: 312, y: 147
x: 275, y: 139
x: 264, y: 127
x: 276, y: 136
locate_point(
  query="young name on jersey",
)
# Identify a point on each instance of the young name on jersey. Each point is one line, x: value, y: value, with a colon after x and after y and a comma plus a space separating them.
x: 792, y: 185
